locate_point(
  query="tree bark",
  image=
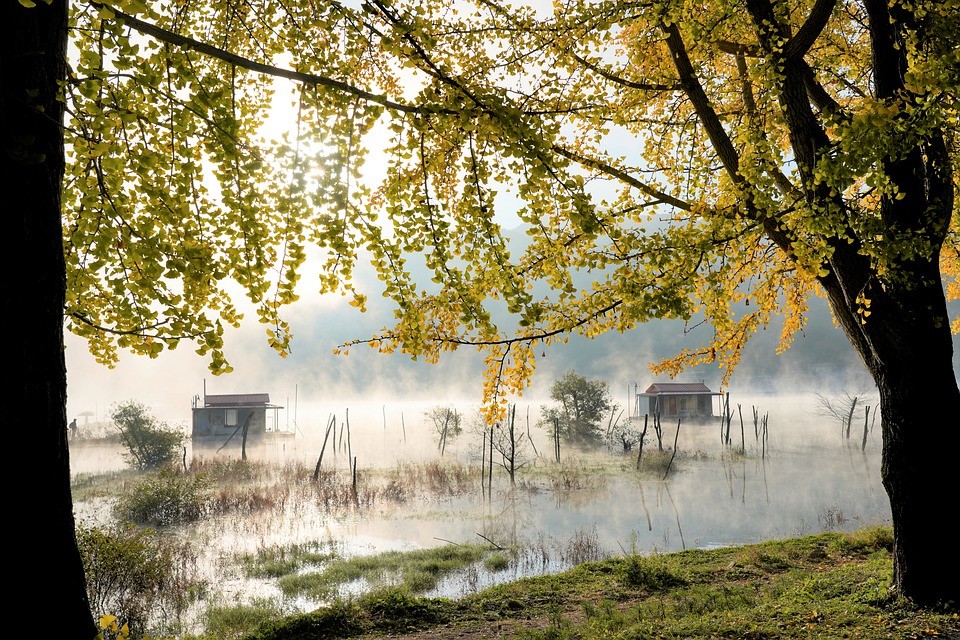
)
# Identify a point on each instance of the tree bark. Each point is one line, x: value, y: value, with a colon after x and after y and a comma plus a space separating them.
x: 919, y: 472
x: 911, y: 360
x: 905, y: 342
x: 33, y: 61
x: 907, y: 347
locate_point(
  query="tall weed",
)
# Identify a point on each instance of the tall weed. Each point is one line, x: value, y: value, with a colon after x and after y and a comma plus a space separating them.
x: 144, y: 580
x: 165, y: 499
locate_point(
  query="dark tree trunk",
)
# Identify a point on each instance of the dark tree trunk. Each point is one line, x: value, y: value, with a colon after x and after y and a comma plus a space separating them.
x: 907, y: 346
x: 920, y: 446
x: 33, y: 61
x: 905, y: 341
x: 911, y: 360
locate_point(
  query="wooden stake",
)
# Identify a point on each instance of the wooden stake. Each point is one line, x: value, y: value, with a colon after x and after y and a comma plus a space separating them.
x: 316, y: 471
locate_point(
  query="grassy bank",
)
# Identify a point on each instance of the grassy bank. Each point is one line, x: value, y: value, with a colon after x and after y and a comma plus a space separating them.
x: 830, y: 585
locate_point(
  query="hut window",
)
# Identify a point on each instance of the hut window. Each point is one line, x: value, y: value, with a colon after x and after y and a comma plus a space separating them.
x: 231, y: 417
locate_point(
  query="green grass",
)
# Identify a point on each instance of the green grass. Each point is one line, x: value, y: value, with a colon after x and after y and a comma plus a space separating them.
x: 829, y: 585
x: 282, y: 560
x: 415, y: 571
x: 227, y: 622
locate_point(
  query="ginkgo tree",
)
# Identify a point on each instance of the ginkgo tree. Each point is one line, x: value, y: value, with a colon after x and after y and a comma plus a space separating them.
x: 721, y: 161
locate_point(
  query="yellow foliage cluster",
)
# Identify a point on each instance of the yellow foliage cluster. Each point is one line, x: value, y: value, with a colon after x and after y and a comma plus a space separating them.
x: 665, y: 160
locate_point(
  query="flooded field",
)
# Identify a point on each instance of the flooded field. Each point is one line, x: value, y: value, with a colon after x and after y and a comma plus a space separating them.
x: 804, y: 476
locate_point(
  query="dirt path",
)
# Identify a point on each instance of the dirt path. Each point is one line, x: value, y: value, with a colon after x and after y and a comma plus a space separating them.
x: 480, y: 630
x: 476, y: 631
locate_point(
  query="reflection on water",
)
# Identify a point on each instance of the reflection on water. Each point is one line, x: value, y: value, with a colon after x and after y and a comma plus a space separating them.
x: 806, y: 478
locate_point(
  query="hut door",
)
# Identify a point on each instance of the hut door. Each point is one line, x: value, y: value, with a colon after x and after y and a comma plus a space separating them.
x: 673, y: 407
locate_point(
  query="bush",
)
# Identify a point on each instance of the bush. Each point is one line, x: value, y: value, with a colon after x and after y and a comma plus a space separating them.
x: 150, y: 444
x: 497, y: 561
x: 137, y: 576
x: 639, y: 572
x: 239, y: 620
x: 396, y: 610
x: 340, y: 619
x: 165, y: 499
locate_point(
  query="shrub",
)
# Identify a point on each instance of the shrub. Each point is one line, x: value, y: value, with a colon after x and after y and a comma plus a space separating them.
x: 136, y: 576
x: 150, y: 444
x: 341, y: 619
x: 165, y: 499
x: 240, y: 620
x: 446, y: 422
x: 639, y: 572
x: 396, y: 610
x: 497, y: 561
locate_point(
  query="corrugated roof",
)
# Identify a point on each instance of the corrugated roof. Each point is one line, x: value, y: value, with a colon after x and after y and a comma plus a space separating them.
x: 677, y: 387
x: 233, y: 399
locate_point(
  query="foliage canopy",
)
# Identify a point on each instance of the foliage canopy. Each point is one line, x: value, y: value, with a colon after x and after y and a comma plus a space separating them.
x: 650, y: 151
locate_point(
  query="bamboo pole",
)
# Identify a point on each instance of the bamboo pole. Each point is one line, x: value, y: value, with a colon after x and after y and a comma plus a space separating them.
x: 490, y: 467
x: 676, y: 438
x: 316, y: 471
x: 866, y: 428
x: 642, y: 437
x: 483, y: 464
x: 529, y: 437
x: 743, y: 442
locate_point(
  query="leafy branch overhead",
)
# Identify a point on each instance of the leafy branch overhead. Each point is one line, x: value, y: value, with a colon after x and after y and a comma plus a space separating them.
x: 664, y: 162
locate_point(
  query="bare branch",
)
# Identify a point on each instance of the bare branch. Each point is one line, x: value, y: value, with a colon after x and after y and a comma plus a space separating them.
x: 623, y: 176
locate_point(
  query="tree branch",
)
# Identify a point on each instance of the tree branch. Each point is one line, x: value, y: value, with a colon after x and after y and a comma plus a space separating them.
x: 701, y: 104
x: 801, y: 42
x: 612, y: 77
x: 186, y: 42
x: 623, y: 176
x: 507, y: 342
x: 889, y: 50
x: 818, y: 95
x: 746, y: 89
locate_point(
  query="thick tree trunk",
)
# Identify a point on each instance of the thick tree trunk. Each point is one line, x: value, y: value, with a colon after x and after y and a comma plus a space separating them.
x: 919, y: 404
x: 908, y: 348
x: 921, y: 442
x: 905, y: 341
x: 33, y: 61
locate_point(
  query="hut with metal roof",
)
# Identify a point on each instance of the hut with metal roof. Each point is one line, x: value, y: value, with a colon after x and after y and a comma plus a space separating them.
x: 225, y: 415
x: 693, y: 401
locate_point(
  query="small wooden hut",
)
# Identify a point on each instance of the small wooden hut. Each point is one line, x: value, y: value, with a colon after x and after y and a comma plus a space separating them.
x: 691, y: 401
x: 224, y: 415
